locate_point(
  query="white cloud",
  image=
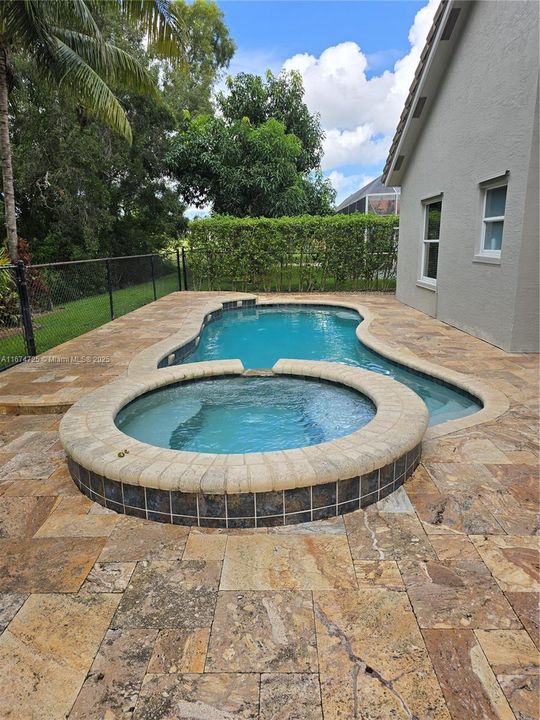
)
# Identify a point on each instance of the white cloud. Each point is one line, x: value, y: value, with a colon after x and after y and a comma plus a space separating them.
x: 359, y: 114
x: 382, y: 58
x: 354, y: 147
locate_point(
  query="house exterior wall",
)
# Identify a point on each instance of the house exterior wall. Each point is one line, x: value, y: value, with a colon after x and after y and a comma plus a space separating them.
x: 481, y: 125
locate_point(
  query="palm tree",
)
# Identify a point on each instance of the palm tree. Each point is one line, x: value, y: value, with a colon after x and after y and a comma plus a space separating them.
x: 66, y: 44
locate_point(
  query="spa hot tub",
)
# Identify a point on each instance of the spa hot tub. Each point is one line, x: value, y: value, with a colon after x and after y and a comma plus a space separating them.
x: 245, y: 414
x: 210, y: 444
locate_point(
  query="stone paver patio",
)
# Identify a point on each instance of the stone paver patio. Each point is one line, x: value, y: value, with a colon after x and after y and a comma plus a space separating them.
x: 423, y: 606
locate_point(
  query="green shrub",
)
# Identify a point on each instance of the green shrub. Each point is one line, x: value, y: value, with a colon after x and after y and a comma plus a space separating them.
x: 9, y: 299
x: 292, y: 253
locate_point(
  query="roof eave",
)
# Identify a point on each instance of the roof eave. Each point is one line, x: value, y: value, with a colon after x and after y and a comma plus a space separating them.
x: 436, y: 56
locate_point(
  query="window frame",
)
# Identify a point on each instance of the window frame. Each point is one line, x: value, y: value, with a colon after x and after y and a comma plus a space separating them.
x: 423, y: 280
x: 486, y: 187
x: 395, y: 196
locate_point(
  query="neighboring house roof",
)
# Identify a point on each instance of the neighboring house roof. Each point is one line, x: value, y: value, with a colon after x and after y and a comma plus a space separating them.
x: 449, y: 20
x: 372, y: 188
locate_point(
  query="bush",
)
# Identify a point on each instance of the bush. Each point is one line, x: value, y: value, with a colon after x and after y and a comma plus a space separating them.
x: 9, y: 299
x: 296, y: 253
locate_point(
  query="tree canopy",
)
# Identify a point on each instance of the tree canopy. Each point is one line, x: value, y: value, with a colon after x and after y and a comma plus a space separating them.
x: 259, y: 155
x: 282, y: 98
x: 81, y: 190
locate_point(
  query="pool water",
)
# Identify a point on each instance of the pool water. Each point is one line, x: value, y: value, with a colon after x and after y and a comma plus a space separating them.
x: 242, y: 415
x: 260, y: 336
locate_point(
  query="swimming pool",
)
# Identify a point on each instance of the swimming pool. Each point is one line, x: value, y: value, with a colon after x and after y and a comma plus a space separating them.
x: 245, y: 414
x: 261, y: 335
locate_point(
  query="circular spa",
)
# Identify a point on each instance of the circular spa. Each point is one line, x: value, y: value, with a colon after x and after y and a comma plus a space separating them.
x: 210, y: 444
x: 245, y: 414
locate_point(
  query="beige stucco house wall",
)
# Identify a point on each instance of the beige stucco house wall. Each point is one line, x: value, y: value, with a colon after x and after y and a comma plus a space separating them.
x: 477, y: 128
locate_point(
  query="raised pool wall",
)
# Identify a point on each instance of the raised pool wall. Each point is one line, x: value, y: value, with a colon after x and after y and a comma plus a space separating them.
x: 244, y: 490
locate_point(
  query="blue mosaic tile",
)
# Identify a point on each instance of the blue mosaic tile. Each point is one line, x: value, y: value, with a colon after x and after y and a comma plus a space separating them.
x: 184, y: 520
x: 386, y: 475
x: 369, y: 483
x: 401, y: 466
x: 96, y: 484
x: 113, y: 491
x: 111, y: 505
x: 212, y: 506
x: 369, y: 499
x: 349, y: 490
x: 269, y: 503
x: 296, y: 500
x: 348, y: 506
x: 324, y: 495
x: 159, y: 517
x: 184, y: 503
x: 236, y: 510
x: 324, y: 513
x: 134, y: 496
x: 240, y: 523
x: 135, y: 512
x: 158, y: 501
x: 213, y: 522
x: 270, y: 521
x: 240, y: 505
x: 297, y: 518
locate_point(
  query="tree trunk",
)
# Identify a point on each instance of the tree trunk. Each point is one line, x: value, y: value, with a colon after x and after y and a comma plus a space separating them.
x: 7, y: 170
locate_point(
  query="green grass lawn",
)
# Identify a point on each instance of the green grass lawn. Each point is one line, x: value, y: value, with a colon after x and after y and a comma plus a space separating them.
x: 290, y: 279
x: 79, y: 316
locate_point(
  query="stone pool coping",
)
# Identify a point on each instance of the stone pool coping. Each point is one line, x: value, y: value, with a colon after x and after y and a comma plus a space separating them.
x: 494, y: 402
x: 93, y: 442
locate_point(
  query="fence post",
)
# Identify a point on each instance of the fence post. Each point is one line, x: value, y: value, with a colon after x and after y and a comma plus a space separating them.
x: 153, y: 276
x: 110, y: 288
x: 178, y: 269
x: 184, y: 268
x: 26, y: 314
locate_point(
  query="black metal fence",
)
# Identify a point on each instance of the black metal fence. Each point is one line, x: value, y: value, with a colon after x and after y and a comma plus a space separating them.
x: 44, y: 305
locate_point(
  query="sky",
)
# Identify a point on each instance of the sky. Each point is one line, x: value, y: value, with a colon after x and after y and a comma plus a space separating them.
x: 357, y: 60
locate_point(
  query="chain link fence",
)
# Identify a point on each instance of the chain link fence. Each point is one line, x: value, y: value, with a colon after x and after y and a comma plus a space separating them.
x: 42, y: 306
x: 13, y: 347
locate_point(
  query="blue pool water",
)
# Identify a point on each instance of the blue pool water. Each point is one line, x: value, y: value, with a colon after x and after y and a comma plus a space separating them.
x: 260, y: 336
x: 242, y: 415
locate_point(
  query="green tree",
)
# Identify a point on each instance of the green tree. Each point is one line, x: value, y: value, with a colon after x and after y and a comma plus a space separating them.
x: 244, y: 170
x: 280, y: 97
x: 259, y: 156
x: 208, y: 49
x: 67, y: 46
x: 81, y: 190
x: 319, y: 194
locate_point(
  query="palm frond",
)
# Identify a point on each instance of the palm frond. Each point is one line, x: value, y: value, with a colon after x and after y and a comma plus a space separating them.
x: 85, y: 82
x: 66, y: 43
x: 113, y: 64
x: 24, y: 23
x: 73, y: 13
x: 159, y: 23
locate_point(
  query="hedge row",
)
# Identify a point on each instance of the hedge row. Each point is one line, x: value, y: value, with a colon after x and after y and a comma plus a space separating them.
x: 298, y: 253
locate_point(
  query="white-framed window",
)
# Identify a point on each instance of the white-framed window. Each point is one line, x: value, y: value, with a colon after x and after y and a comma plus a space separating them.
x: 494, y: 208
x: 430, y: 242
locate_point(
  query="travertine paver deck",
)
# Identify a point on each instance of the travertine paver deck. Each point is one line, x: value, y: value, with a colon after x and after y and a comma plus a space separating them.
x: 425, y: 606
